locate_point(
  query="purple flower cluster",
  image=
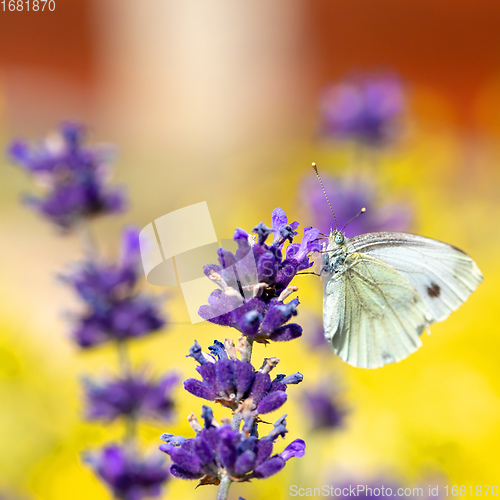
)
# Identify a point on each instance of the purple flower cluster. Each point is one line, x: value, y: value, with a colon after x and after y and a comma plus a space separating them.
x: 253, y: 284
x: 219, y: 450
x: 349, y: 194
x: 74, y: 176
x: 114, y: 310
x: 230, y: 381
x: 129, y: 476
x: 364, y: 109
x: 323, y: 408
x: 254, y: 281
x: 135, y: 396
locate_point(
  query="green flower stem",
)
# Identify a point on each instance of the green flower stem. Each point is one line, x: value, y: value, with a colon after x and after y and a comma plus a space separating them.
x: 236, y: 421
x: 89, y: 244
x: 123, y: 357
x: 224, y: 485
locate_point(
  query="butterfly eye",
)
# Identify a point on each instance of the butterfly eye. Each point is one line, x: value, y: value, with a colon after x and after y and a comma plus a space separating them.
x: 339, y: 239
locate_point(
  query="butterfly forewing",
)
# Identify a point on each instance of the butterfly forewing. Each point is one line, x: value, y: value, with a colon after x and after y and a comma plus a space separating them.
x: 442, y: 274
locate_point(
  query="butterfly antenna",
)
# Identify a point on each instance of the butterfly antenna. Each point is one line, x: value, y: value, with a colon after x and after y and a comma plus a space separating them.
x: 315, y: 168
x: 362, y: 211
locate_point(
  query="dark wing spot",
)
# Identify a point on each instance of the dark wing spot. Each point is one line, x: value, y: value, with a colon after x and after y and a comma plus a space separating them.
x: 434, y: 290
x: 388, y: 358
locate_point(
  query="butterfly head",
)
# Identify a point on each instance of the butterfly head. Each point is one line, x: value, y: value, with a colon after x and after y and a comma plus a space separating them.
x: 338, y: 237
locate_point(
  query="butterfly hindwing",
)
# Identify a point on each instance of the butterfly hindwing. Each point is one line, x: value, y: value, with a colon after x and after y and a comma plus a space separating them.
x: 372, y: 313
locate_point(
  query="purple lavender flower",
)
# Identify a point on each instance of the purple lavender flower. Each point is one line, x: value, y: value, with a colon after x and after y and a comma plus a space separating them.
x: 114, y: 310
x: 323, y: 408
x: 129, y: 318
x: 348, y: 195
x: 129, y: 476
x: 229, y: 381
x: 365, y: 109
x: 74, y: 176
x: 132, y: 396
x: 254, y: 281
x: 219, y: 450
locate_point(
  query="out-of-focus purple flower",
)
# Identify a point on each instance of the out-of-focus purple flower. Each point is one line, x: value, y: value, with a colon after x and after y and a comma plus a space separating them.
x: 229, y: 381
x: 323, y: 408
x: 134, y: 396
x: 218, y: 450
x: 113, y: 308
x: 315, y: 335
x: 254, y: 281
x: 364, y: 109
x: 130, y: 318
x: 129, y: 476
x: 348, y: 195
x: 74, y: 177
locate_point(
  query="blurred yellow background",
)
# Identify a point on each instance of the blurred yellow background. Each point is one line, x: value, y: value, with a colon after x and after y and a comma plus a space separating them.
x: 217, y: 101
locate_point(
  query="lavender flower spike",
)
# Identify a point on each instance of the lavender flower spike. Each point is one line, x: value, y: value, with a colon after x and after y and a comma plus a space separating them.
x: 363, y: 109
x: 114, y: 309
x: 74, y: 176
x: 129, y: 476
x: 230, y: 382
x: 252, y: 299
x: 131, y: 396
x: 217, y: 452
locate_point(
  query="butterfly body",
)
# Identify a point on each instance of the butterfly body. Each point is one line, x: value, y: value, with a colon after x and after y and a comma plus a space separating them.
x: 382, y: 290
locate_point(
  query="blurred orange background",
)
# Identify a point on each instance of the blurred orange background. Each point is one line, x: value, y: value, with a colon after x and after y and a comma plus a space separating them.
x: 218, y: 101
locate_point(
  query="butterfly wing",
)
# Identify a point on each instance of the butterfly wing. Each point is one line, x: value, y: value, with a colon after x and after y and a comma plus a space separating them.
x: 372, y: 314
x: 442, y: 274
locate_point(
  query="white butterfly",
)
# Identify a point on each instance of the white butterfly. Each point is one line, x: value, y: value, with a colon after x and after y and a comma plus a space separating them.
x: 382, y: 290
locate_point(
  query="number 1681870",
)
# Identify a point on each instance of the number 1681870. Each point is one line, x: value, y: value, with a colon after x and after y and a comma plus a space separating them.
x: 28, y: 5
